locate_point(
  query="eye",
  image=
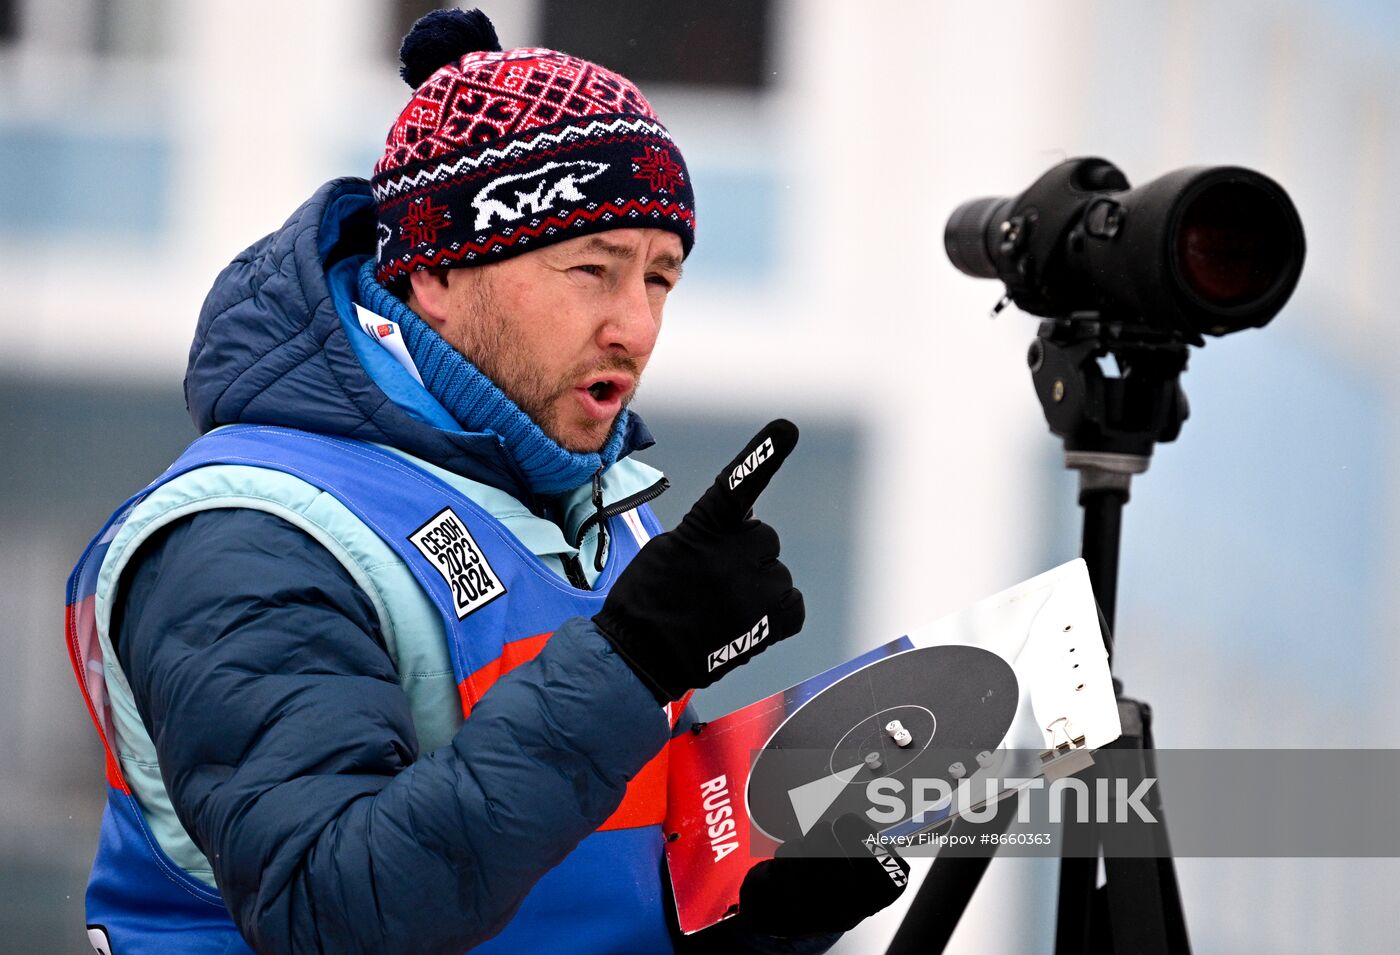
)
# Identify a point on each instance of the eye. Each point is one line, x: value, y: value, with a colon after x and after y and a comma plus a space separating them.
x: 660, y: 281
x: 589, y: 269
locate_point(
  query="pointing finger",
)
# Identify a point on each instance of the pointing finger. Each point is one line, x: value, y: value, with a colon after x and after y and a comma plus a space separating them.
x: 730, y: 499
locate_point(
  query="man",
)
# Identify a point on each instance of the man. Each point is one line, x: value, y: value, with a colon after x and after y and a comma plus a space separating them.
x: 384, y: 666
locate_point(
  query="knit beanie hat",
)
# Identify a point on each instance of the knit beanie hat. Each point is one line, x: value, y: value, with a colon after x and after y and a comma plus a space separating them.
x: 502, y: 152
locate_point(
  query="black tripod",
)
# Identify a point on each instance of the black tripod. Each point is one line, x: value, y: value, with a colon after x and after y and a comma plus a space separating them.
x: 1109, y: 426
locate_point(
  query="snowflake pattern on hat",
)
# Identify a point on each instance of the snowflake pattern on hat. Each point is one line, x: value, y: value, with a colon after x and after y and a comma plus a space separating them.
x: 656, y: 166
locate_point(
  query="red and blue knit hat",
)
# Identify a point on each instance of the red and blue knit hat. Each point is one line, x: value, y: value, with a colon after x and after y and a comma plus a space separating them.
x: 502, y: 152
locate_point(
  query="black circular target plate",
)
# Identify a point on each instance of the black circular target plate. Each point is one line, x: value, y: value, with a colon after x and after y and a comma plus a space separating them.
x: 956, y: 702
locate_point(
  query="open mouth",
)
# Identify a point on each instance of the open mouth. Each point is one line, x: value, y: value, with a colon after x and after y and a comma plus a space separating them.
x: 604, y: 397
x: 603, y: 390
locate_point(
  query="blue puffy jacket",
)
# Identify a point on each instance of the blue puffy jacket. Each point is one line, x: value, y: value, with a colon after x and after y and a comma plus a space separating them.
x: 310, y: 791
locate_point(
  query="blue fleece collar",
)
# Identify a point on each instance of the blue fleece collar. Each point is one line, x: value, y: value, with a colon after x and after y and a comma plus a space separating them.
x: 476, y: 404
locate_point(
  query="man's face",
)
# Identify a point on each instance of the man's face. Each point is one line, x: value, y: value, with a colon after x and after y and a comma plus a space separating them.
x: 564, y: 331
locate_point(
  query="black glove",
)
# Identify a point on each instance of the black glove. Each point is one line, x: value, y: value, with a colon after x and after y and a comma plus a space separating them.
x: 710, y: 595
x: 829, y: 880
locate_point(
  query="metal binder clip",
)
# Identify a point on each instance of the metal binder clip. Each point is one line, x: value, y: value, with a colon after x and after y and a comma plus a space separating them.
x: 1067, y: 755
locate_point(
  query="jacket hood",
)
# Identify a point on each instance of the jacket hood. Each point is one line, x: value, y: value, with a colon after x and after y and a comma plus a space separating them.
x: 271, y: 348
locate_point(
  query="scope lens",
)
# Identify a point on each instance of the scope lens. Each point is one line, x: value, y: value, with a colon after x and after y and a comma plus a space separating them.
x: 1233, y: 246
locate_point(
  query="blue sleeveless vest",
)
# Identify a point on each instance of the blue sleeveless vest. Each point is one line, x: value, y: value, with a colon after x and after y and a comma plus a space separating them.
x: 498, y: 603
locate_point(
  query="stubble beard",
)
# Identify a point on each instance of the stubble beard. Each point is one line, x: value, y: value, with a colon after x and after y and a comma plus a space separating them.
x: 486, y: 342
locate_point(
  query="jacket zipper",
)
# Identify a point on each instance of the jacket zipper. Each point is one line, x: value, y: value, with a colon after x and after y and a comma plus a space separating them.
x: 574, y: 571
x: 602, y: 514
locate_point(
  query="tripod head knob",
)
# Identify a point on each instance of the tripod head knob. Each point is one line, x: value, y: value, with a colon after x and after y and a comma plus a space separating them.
x: 1094, y: 412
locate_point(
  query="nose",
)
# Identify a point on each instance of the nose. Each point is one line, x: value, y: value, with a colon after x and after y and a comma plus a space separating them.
x: 633, y: 321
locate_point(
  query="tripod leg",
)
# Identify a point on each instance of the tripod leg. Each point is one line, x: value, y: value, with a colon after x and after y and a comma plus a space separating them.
x: 946, y: 891
x: 1079, y: 869
x: 1143, y: 903
x: 1138, y: 909
x: 1171, y: 893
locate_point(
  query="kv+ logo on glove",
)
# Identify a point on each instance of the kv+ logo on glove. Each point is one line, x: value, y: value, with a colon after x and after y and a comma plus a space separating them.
x: 710, y: 595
